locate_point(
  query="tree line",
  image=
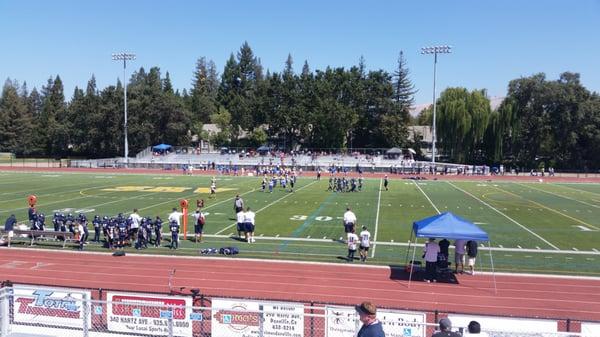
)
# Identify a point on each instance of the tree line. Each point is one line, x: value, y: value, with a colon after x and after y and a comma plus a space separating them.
x: 554, y: 122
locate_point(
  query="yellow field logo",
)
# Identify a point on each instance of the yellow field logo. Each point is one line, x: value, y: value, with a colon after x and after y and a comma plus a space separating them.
x: 162, y: 189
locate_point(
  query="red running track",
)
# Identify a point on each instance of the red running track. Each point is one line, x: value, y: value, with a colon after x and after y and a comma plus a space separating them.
x: 520, y: 296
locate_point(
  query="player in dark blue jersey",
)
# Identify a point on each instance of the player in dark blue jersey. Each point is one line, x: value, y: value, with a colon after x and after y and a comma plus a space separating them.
x: 174, y: 229
x: 157, y: 231
x: 97, y: 223
x: 55, y: 222
x: 32, y: 215
x: 70, y: 222
x: 142, y: 235
x: 122, y: 231
x: 111, y: 233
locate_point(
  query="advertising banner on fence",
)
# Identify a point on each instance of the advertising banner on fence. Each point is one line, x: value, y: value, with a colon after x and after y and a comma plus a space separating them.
x: 62, y: 307
x: 149, y: 314
x: 344, y: 322
x: 244, y: 318
x: 505, y: 323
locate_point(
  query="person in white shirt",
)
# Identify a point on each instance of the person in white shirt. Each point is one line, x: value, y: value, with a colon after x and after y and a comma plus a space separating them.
x: 352, y: 243
x: 136, y: 219
x: 365, y: 243
x: 80, y: 232
x: 349, y: 221
x: 432, y: 249
x: 459, y: 255
x: 240, y: 216
x: 175, y: 216
x: 249, y: 224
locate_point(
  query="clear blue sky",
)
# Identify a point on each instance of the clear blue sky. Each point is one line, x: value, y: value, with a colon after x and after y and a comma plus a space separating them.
x: 494, y: 41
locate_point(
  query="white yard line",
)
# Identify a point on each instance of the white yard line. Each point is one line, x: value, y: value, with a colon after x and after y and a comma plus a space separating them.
x: 426, y: 196
x: 504, y: 215
x: 558, y: 195
x: 269, y: 205
x: 377, y: 219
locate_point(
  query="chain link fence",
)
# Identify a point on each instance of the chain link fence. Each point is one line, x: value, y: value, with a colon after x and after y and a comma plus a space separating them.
x: 32, y: 311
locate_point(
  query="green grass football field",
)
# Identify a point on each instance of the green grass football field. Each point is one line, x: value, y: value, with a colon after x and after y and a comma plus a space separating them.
x: 534, y: 227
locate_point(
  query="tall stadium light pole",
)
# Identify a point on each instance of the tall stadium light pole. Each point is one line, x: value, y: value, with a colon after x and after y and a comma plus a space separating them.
x: 435, y: 50
x: 124, y: 57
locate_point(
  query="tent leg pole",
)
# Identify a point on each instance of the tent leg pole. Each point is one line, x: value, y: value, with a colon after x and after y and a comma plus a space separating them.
x: 412, y: 265
x: 492, y: 263
x: 409, y: 246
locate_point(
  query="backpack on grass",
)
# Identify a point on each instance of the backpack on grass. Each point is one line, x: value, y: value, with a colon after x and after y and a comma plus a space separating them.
x: 229, y: 251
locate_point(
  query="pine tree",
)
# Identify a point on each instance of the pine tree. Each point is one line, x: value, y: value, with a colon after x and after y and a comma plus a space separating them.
x: 404, y: 90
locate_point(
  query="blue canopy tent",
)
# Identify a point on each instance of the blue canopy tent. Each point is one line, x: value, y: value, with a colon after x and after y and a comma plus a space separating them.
x: 161, y: 147
x: 449, y: 226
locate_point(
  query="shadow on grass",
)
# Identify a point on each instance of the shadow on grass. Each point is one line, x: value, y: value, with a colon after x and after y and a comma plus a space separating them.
x: 400, y: 273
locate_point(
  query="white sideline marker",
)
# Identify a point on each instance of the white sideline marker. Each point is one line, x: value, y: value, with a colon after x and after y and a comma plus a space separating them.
x: 500, y: 246
x: 377, y: 218
x: 519, y: 247
x: 537, y: 247
x: 594, y: 249
x: 575, y: 249
x: 308, y: 237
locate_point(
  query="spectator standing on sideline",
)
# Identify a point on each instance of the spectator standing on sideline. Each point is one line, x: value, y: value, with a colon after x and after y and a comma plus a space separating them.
x: 349, y: 220
x: 9, y: 227
x: 238, y: 204
x: 472, y: 254
x: 474, y: 330
x: 371, y: 327
x: 446, y: 329
x: 431, y: 256
x: 199, y: 221
x: 459, y: 255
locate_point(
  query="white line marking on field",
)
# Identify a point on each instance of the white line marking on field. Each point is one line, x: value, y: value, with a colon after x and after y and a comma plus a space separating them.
x: 504, y: 215
x: 426, y: 196
x: 594, y: 249
x: 562, y: 196
x: 267, y: 206
x: 575, y: 249
x: 377, y: 218
x: 519, y: 247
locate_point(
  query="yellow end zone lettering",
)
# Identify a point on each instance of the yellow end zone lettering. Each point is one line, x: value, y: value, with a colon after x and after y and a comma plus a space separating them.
x: 127, y: 188
x: 168, y: 189
x: 157, y: 189
x: 207, y: 190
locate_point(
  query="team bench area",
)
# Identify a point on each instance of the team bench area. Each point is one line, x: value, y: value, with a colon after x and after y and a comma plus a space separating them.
x: 32, y: 236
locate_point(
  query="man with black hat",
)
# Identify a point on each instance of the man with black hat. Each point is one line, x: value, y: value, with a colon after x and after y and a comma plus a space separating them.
x: 371, y: 325
x: 446, y: 329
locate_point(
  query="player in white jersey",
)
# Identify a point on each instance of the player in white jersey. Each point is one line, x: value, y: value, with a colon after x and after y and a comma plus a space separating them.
x: 240, y: 223
x: 249, y: 224
x: 365, y: 243
x: 352, y: 243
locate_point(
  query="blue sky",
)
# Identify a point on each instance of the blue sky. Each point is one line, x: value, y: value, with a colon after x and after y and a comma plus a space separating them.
x: 493, y: 41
